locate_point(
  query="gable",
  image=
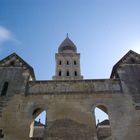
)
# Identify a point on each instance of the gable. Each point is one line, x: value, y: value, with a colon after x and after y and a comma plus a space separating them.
x: 14, y: 60
x: 130, y: 58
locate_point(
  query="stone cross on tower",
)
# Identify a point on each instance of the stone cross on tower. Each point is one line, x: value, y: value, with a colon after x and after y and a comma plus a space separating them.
x: 67, y: 62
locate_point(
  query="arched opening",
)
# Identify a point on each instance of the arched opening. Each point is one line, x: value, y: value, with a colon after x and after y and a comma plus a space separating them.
x: 75, y: 73
x: 38, y: 125
x: 75, y: 62
x: 68, y: 74
x: 102, y: 122
x: 4, y: 89
x: 60, y: 62
x: 67, y: 62
x: 1, y: 133
x: 60, y: 73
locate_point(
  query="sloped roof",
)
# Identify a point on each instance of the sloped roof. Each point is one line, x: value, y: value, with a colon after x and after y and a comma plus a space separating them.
x: 38, y: 123
x: 14, y: 60
x: 130, y: 58
x: 105, y: 122
x: 67, y: 44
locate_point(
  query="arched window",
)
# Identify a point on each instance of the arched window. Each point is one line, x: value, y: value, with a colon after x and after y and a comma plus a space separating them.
x: 75, y: 62
x: 4, y: 89
x: 1, y: 133
x: 68, y: 62
x: 102, y: 122
x: 75, y: 73
x: 60, y: 62
x: 38, y: 124
x: 60, y: 73
x: 68, y: 74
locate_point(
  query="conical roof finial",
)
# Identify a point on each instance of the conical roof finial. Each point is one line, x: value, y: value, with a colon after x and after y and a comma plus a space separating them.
x: 67, y: 35
x: 67, y: 45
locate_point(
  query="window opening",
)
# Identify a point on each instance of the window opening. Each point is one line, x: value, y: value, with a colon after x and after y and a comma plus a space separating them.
x: 133, y: 60
x: 75, y: 73
x: 12, y: 63
x: 75, y: 63
x: 60, y: 73
x: 38, y: 124
x: 102, y: 122
x: 60, y: 62
x: 4, y: 89
x: 67, y: 62
x: 1, y: 133
x: 68, y: 74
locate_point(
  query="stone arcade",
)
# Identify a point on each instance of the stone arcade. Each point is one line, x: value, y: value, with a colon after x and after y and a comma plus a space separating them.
x: 69, y: 100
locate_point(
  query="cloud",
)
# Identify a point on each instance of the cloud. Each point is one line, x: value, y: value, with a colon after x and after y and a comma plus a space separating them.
x: 6, y: 35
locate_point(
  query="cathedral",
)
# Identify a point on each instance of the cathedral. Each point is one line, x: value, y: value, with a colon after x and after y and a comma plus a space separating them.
x: 69, y: 100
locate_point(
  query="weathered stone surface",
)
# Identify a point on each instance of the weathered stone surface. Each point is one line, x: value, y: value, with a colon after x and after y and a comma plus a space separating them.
x: 70, y: 104
x: 67, y: 87
x: 68, y: 129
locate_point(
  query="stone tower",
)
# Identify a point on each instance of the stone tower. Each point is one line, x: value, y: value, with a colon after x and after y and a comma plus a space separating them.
x: 67, y: 62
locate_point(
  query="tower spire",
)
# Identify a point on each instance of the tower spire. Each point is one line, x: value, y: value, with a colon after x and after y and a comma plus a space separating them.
x: 67, y: 35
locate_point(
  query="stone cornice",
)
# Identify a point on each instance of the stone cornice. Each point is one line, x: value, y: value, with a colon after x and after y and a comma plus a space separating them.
x: 109, y: 86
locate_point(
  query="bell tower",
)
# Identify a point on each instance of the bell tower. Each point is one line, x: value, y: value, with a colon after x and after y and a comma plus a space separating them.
x: 67, y: 62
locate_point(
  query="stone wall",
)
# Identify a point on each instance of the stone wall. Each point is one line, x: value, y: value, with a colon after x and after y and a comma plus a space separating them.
x: 70, y: 115
x: 70, y: 105
x: 74, y: 86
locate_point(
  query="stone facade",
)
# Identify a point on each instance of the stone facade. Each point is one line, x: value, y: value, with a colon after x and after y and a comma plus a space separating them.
x: 70, y: 104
